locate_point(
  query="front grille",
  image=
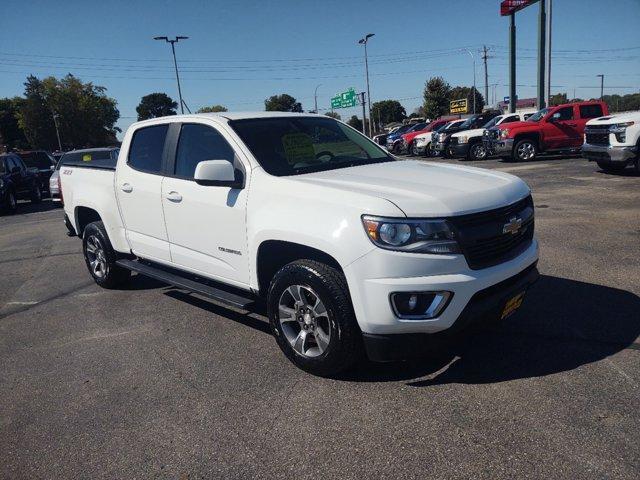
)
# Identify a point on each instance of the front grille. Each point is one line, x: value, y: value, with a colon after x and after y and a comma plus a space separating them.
x: 491, y: 134
x: 597, y: 138
x: 454, y: 140
x: 481, y: 234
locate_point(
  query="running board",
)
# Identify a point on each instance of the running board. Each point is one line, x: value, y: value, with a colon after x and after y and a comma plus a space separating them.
x: 188, y: 284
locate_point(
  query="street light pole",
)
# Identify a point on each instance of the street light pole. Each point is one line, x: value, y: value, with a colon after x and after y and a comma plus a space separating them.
x: 601, y: 85
x: 474, y: 78
x: 55, y: 122
x: 315, y: 97
x: 175, y: 64
x: 364, y: 41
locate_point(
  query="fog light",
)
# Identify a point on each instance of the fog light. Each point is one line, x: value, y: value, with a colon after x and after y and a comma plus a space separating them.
x: 419, y: 305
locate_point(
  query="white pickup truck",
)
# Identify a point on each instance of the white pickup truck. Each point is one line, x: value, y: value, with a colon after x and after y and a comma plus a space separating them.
x: 613, y: 141
x: 352, y: 250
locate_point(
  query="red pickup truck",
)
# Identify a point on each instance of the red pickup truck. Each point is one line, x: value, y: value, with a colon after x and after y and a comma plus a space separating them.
x: 548, y: 130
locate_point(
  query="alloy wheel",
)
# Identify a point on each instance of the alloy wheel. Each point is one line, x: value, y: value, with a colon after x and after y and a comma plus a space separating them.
x: 526, y: 151
x: 478, y: 152
x: 304, y: 320
x: 96, y: 257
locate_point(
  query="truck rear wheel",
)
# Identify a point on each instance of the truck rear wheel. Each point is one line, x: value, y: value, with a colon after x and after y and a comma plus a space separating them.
x: 11, y: 205
x: 525, y: 150
x: 100, y: 257
x: 312, y: 318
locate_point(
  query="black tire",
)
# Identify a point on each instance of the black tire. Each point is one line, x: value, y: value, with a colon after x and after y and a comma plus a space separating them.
x: 636, y: 165
x: 526, y: 150
x: 344, y: 347
x: 396, y: 148
x: 611, y: 167
x: 36, y: 194
x: 477, y: 151
x: 410, y: 149
x: 10, y: 203
x: 108, y: 275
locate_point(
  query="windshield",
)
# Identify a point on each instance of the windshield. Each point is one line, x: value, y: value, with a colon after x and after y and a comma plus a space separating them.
x: 536, y: 117
x: 468, y: 122
x: 451, y: 125
x: 297, y: 145
x: 39, y: 160
x: 492, y: 122
x: 89, y: 158
x: 418, y: 126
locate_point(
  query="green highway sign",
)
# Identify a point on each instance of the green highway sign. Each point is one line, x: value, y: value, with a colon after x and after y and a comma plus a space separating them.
x: 345, y: 99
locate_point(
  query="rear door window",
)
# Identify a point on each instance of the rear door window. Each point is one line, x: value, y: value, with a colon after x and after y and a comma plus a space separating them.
x: 147, y: 146
x: 591, y: 111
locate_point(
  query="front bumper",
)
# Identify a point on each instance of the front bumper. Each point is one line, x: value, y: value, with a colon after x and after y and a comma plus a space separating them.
x: 375, y: 276
x: 499, y: 147
x: 459, y: 149
x: 485, y: 306
x: 608, y: 153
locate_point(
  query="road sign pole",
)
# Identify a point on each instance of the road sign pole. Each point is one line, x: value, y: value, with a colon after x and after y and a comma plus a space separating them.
x: 542, y: 36
x: 364, y: 116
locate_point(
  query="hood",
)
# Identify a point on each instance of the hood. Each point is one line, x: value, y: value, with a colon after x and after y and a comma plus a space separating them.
x: 613, y: 119
x: 426, y: 189
x: 514, y: 125
x: 475, y: 132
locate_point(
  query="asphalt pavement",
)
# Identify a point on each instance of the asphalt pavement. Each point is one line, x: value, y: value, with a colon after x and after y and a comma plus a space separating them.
x: 151, y: 382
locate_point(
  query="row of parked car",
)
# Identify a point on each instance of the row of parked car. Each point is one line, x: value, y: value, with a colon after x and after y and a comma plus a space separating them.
x: 31, y: 175
x: 524, y: 136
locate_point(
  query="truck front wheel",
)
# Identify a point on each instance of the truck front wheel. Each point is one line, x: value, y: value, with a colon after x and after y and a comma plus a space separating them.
x: 525, y: 150
x: 100, y: 257
x: 312, y: 318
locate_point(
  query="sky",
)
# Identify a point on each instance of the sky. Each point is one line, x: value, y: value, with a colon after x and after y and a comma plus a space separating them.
x: 241, y: 52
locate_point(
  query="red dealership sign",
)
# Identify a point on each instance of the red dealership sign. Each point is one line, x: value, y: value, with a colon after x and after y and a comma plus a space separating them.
x: 507, y: 7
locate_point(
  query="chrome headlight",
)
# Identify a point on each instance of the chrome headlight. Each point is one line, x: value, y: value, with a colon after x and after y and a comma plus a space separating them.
x: 421, y: 140
x: 463, y: 139
x: 442, y: 137
x: 411, y: 235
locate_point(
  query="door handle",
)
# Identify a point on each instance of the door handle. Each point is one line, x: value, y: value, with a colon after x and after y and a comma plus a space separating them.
x: 126, y: 187
x: 174, y: 197
x: 572, y: 124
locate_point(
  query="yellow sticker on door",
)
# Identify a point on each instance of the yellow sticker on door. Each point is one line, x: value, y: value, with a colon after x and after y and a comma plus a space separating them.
x: 298, y: 147
x: 86, y: 157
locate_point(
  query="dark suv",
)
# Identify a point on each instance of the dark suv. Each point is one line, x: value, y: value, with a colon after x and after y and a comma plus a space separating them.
x: 43, y: 161
x: 17, y: 182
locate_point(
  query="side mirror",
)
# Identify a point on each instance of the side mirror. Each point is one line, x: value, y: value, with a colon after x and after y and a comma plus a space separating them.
x: 218, y: 173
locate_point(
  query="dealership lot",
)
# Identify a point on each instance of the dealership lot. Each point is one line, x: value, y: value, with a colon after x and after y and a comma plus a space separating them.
x: 153, y: 382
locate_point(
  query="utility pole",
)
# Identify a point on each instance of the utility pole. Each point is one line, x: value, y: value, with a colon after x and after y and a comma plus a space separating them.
x: 601, y: 85
x: 542, y: 36
x: 364, y: 41
x: 512, y: 63
x: 486, y: 74
x: 364, y: 117
x: 175, y: 64
x: 547, y: 92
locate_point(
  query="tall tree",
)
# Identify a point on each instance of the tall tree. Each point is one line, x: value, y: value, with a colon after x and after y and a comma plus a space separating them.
x: 213, y: 109
x: 436, y: 95
x: 355, y: 122
x: 156, y: 105
x: 11, y: 135
x: 84, y: 113
x: 557, y: 99
x: 282, y: 103
x: 335, y: 115
x: 388, y: 111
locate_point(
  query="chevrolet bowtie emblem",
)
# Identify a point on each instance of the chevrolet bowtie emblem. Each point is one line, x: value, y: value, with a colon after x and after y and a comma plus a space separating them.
x: 512, y: 226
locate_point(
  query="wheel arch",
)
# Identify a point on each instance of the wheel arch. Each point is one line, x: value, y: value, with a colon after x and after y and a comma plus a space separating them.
x: 272, y: 255
x: 83, y: 216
